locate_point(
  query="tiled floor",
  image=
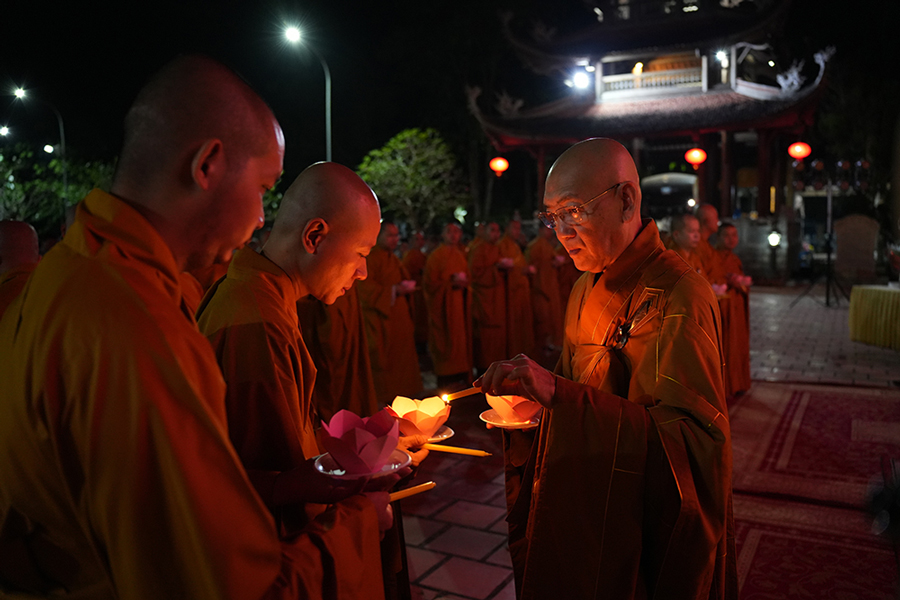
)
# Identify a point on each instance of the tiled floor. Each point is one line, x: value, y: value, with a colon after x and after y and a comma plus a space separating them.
x: 455, y: 533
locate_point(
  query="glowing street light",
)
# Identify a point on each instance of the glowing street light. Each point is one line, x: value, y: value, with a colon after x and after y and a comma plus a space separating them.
x: 581, y: 80
x: 4, y: 131
x: 498, y: 165
x: 21, y: 94
x: 293, y: 35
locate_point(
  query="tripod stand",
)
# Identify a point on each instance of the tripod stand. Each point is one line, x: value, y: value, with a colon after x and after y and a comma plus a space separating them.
x: 831, y: 281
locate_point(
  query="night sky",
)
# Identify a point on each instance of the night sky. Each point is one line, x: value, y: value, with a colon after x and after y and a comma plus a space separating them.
x: 394, y: 65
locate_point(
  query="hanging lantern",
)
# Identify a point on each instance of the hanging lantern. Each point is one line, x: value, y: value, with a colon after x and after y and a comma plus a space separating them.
x: 695, y: 156
x: 499, y: 165
x: 799, y: 150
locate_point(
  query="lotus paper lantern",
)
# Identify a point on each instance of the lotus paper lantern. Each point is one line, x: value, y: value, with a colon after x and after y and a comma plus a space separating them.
x: 420, y: 417
x: 513, y: 409
x: 360, y: 446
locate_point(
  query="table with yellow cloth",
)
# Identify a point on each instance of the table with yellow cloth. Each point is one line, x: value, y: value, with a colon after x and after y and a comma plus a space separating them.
x: 875, y: 315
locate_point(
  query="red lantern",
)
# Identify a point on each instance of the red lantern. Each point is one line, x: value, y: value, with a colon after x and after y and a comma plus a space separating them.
x: 499, y: 165
x: 799, y: 150
x: 695, y: 156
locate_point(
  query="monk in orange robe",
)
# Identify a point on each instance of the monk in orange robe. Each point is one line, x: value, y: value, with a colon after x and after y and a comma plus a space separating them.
x: 117, y: 477
x: 207, y: 275
x: 546, y: 303
x: 446, y: 281
x: 488, y: 300
x: 567, y: 275
x: 684, y: 240
x: 626, y: 492
x: 735, y: 308
x: 384, y: 295
x: 516, y: 271
x: 19, y: 255
x: 708, y: 217
x: 414, y: 263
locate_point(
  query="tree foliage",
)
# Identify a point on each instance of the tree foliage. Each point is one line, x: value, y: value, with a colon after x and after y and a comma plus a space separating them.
x: 416, y: 177
x: 32, y: 187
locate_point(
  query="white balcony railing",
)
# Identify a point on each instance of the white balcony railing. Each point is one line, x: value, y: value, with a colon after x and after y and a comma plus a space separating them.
x: 653, y: 80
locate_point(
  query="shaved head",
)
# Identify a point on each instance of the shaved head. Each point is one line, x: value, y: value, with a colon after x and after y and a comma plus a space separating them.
x: 709, y: 219
x: 598, y: 175
x: 18, y: 245
x: 327, y: 224
x: 686, y: 231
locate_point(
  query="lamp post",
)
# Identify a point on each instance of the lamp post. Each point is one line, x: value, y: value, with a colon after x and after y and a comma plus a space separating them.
x: 292, y: 34
x: 21, y: 94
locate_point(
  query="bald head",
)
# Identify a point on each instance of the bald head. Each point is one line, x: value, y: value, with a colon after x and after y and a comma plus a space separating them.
x: 599, y: 176
x: 709, y: 219
x: 686, y: 231
x: 327, y: 224
x: 18, y: 245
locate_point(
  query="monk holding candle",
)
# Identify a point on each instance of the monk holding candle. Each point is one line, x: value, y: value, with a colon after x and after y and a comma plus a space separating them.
x: 516, y: 272
x: 117, y: 477
x: 626, y: 492
x: 446, y: 283
x: 385, y: 296
x: 414, y: 263
x: 488, y: 299
x: 545, y: 299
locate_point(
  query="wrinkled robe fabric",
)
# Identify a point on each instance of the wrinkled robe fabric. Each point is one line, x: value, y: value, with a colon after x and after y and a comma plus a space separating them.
x: 519, y: 336
x: 117, y: 478
x: 735, y: 309
x: 545, y: 298
x: 207, y: 276
x: 336, y: 338
x: 389, y: 328
x: 449, y: 320
x: 627, y: 491
x: 488, y: 306
x: 11, y: 284
x: 191, y: 290
x: 250, y: 318
x: 414, y: 263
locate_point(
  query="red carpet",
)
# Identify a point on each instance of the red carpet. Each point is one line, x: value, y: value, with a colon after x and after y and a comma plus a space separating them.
x: 817, y: 443
x: 792, y: 550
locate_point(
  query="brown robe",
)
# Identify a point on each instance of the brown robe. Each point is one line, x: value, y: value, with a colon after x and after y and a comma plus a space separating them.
x: 449, y: 322
x: 545, y: 299
x: 735, y: 309
x: 567, y: 275
x: 414, y: 263
x: 336, y: 339
x: 389, y: 328
x: 627, y: 491
x: 488, y: 305
x: 519, y: 337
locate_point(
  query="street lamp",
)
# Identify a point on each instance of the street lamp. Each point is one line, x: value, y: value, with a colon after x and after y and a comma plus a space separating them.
x: 4, y: 131
x: 292, y: 35
x: 21, y: 94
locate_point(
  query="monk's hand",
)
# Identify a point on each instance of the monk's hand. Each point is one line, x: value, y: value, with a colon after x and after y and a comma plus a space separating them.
x: 412, y: 445
x: 382, y: 503
x: 519, y: 376
x: 307, y: 484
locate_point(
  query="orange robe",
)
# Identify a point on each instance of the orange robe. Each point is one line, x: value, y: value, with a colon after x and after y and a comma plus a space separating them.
x: 449, y: 323
x: 488, y: 306
x: 117, y: 479
x: 414, y: 263
x: 627, y: 490
x: 389, y: 328
x: 191, y: 290
x: 250, y: 319
x: 11, y: 284
x: 693, y: 260
x: 735, y: 309
x: 707, y: 256
x: 519, y: 335
x: 336, y: 338
x: 545, y: 299
x: 209, y: 275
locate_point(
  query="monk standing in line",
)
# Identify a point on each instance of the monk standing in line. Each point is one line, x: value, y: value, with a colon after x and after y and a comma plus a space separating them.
x: 735, y: 309
x: 414, y: 263
x: 488, y: 300
x: 627, y: 490
x: 117, y: 477
x: 19, y: 255
x: 446, y: 281
x: 388, y: 318
x: 519, y: 336
x: 545, y: 298
x: 708, y: 217
x: 684, y: 241
x: 336, y: 339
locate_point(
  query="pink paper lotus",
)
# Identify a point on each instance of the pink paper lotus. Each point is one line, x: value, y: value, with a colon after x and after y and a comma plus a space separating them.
x: 360, y: 446
x: 420, y: 417
x: 513, y: 409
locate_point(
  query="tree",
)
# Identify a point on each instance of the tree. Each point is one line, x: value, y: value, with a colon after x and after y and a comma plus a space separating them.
x: 415, y: 176
x: 32, y: 187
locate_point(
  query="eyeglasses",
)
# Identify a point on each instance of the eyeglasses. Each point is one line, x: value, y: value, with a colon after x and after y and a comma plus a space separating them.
x: 571, y: 215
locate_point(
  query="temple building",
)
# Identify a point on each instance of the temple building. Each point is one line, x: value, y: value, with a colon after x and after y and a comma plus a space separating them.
x: 663, y: 77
